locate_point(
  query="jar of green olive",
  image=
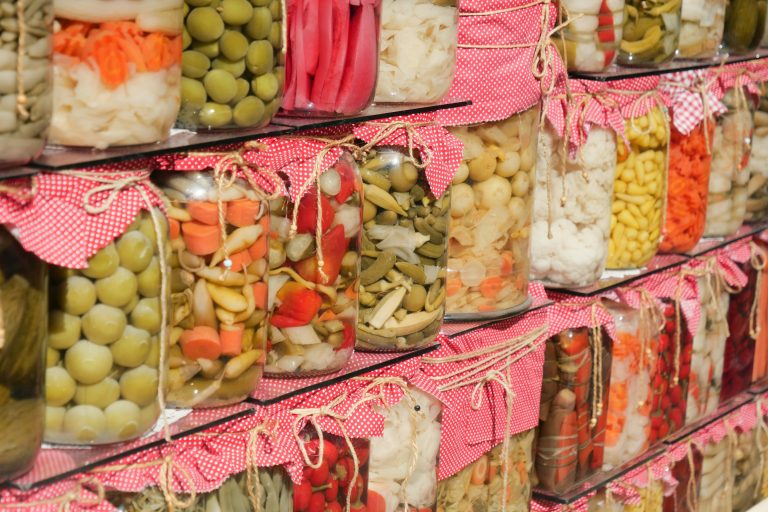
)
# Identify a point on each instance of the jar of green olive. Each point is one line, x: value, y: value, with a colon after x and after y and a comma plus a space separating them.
x: 104, y: 339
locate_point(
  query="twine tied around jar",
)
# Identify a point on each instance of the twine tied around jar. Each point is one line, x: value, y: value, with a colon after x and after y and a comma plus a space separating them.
x: 758, y: 259
x: 691, y: 489
x: 717, y: 284
x: 412, y: 136
x: 682, y: 274
x: 21, y: 91
x: 651, y: 322
x: 252, y: 470
x: 67, y: 499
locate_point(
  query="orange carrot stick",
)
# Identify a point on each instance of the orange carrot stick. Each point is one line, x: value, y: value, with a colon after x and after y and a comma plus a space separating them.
x: 201, y: 342
x: 205, y: 212
x: 201, y: 239
x: 231, y: 337
x: 243, y: 212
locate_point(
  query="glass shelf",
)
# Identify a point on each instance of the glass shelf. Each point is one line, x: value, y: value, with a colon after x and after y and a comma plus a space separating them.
x: 274, y: 390
x: 711, y: 244
x: 616, y: 72
x: 55, y: 158
x: 453, y: 329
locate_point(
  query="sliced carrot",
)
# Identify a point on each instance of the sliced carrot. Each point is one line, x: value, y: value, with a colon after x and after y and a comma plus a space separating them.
x: 507, y: 262
x: 491, y: 286
x: 350, y: 292
x: 243, y: 212
x: 453, y: 286
x: 231, y: 337
x: 260, y: 295
x: 327, y: 315
x: 239, y: 260
x: 201, y: 239
x: 201, y: 342
x: 205, y: 212
x: 174, y: 229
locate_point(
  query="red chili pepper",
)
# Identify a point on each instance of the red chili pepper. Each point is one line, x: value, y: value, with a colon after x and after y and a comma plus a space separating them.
x: 330, y: 452
x: 317, y: 502
x: 306, y: 220
x: 348, y: 181
x: 299, y: 305
x: 357, y: 488
x: 332, y: 491
x: 344, y: 470
x: 333, y: 506
x: 319, y: 476
x: 334, y: 247
x: 301, y: 495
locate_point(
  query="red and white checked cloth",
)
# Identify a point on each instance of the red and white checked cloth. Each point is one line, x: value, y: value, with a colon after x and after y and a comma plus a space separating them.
x: 692, y: 95
x: 73, y: 495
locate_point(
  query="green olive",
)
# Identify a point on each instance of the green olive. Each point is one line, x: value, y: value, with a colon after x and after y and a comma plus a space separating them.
x: 260, y: 23
x: 215, y: 115
x: 280, y: 74
x: 271, y: 108
x: 149, y: 279
x: 265, y: 86
x: 220, y: 85
x: 63, y: 329
x: 123, y: 419
x: 139, y: 385
x: 52, y: 357
x: 193, y: 94
x: 103, y: 324
x: 135, y: 251
x: 236, y: 12
x: 87, y: 362
x: 149, y: 415
x: 415, y: 300
x: 194, y: 64
x: 132, y: 348
x: 77, y: 295
x: 210, y: 50
x: 233, y: 45
x: 276, y: 9
x: 118, y: 289
x: 103, y: 263
x: 129, y: 307
x: 147, y: 228
x: 146, y: 315
x: 260, y: 58
x: 100, y: 394
x: 276, y: 36
x: 204, y: 24
x: 234, y: 67
x: 85, y: 422
x: 249, y: 111
x: 59, y: 386
x: 153, y: 358
x: 243, y: 88
x: 404, y: 177
x: 186, y: 39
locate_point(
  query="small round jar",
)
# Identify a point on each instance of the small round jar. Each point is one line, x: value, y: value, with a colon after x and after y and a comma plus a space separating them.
x: 117, y: 71
x: 417, y: 54
x: 744, y: 25
x: 491, y: 204
x: 702, y: 30
x: 591, y: 40
x: 651, y: 32
x: 575, y: 253
x: 405, y: 253
x: 23, y: 309
x: 313, y: 311
x: 220, y: 237
x: 104, y: 329
x: 232, y: 65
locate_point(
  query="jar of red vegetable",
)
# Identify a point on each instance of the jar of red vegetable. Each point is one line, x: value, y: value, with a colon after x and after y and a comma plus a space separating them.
x: 740, y: 345
x: 117, y: 71
x: 687, y: 472
x: 313, y: 309
x: 331, y: 63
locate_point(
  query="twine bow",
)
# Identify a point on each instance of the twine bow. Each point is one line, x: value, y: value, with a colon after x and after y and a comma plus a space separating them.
x: 166, y: 485
x: 413, y: 139
x: 21, y: 53
x: 252, y: 470
x: 758, y: 260
x: 651, y: 322
x: 67, y: 499
x: 682, y: 276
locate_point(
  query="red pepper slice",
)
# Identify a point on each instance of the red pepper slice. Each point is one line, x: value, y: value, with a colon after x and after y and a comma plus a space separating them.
x: 334, y: 247
x: 348, y: 182
x: 299, y: 306
x: 306, y: 220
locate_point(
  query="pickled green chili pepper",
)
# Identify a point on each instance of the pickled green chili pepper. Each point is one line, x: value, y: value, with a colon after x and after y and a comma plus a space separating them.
x: 651, y: 31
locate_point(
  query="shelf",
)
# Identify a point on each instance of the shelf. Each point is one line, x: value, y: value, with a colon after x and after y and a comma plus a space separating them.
x: 274, y: 390
x: 616, y: 72
x: 56, y: 158
x: 453, y: 329
x: 712, y: 244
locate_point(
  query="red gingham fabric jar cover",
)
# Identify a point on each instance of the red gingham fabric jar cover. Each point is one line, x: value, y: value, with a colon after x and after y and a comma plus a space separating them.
x: 444, y: 149
x: 500, y: 44
x: 638, y: 96
x: 72, y: 495
x: 735, y: 75
x: 570, y: 312
x: 54, y: 223
x: 758, y: 69
x: 687, y: 91
x: 744, y: 418
x: 468, y: 433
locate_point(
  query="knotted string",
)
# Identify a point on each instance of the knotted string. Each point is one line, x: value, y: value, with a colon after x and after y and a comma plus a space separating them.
x: 682, y: 274
x: 651, y: 323
x: 413, y: 139
x: 66, y: 500
x: 252, y: 470
x: 166, y: 485
x: 757, y: 259
x: 21, y: 53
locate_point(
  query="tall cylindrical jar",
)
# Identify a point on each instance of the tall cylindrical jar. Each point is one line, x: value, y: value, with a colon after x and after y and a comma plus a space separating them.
x: 740, y: 344
x: 727, y: 200
x: 117, y: 71
x: 104, y: 339
x: 744, y: 25
x: 233, y: 64
x: 651, y: 32
x: 417, y: 54
x: 219, y: 237
x: 405, y: 254
x: 491, y: 206
x: 24, y: 308
x: 757, y: 188
x: 332, y: 57
x: 313, y: 309
x: 25, y: 118
x: 747, y: 465
x: 702, y: 29
x: 591, y: 39
x: 639, y: 192
x: 569, y: 238
x: 716, y: 482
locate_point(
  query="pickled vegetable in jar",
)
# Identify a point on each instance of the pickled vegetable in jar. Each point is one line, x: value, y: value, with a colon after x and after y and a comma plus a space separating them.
x: 219, y: 288
x: 24, y: 121
x: 744, y: 25
x: 23, y: 310
x: 332, y: 61
x: 702, y: 30
x: 715, y: 486
x: 651, y: 32
x: 740, y: 345
x: 313, y: 310
x: 417, y: 57
x: 687, y: 472
x: 232, y: 63
x: 491, y: 202
x: 757, y: 188
x: 104, y: 330
x: 746, y: 469
x: 405, y: 253
x: 117, y: 71
x: 576, y: 252
x: 727, y: 200
x: 639, y: 192
x: 592, y: 37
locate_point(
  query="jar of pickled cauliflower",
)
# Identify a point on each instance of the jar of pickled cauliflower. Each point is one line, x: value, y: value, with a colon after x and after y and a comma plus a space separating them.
x: 651, y: 32
x: 312, y: 309
x: 24, y: 120
x: 728, y: 181
x: 219, y: 236
x: 333, y: 56
x: 491, y: 203
x: 233, y: 64
x: 405, y: 253
x: 639, y: 192
x: 117, y: 71
x: 591, y: 39
x: 104, y: 340
x: 417, y: 54
x: 569, y: 239
x: 744, y: 25
x: 702, y: 30
x: 757, y: 188
x: 23, y: 309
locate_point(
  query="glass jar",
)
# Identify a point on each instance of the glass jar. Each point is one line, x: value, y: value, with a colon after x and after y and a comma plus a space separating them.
x: 491, y: 203
x: 746, y: 470
x: 639, y: 192
x: 23, y: 303
x: 727, y: 201
x: 744, y: 25
x: 104, y: 330
x: 687, y: 473
x: 233, y: 72
x: 24, y: 124
x: 715, y: 487
x: 633, y: 363
x: 592, y: 37
x: 651, y: 32
x: 333, y: 55
x: 739, y: 347
x: 690, y: 158
x: 417, y: 57
x: 572, y: 421
x: 219, y: 288
x: 757, y: 188
x: 575, y: 253
x: 116, y: 71
x: 480, y: 486
x: 413, y: 422
x: 708, y: 353
x: 405, y: 246
x: 702, y: 30
x: 313, y: 313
